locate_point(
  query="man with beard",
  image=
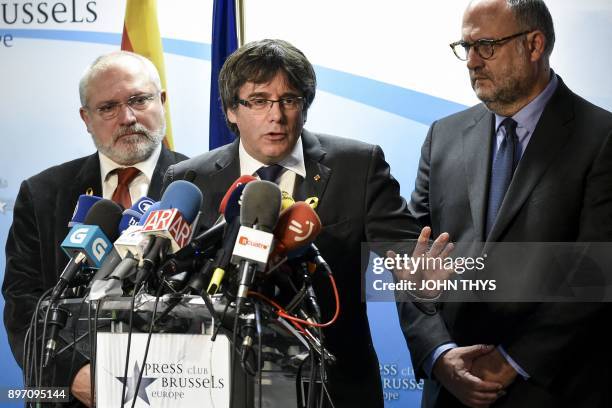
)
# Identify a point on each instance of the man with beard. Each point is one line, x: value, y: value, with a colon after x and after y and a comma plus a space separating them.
x: 532, y: 163
x: 122, y: 107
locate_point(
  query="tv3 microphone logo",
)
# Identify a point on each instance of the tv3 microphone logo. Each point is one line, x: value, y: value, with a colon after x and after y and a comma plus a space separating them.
x: 98, y: 246
x: 299, y: 228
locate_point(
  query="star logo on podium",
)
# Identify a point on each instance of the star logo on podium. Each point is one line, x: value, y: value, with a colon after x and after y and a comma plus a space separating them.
x: 130, y: 384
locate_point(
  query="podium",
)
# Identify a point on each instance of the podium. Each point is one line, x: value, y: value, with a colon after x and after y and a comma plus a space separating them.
x: 184, y: 367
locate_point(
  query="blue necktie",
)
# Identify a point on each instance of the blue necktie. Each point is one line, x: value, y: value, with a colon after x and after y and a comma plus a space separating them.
x: 270, y: 173
x: 502, y: 171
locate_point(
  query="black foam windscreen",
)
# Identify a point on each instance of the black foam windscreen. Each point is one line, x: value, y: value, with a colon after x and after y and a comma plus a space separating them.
x: 190, y: 175
x: 261, y: 202
x: 106, y: 214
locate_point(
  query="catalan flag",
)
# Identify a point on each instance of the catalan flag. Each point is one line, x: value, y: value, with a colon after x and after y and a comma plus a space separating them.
x: 141, y: 36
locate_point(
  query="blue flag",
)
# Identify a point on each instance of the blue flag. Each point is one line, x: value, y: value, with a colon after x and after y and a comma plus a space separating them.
x: 224, y: 42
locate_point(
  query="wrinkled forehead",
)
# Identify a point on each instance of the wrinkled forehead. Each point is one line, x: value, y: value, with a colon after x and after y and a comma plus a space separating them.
x: 487, y: 19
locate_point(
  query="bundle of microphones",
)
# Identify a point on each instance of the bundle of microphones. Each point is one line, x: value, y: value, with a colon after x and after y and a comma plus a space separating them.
x: 261, y: 245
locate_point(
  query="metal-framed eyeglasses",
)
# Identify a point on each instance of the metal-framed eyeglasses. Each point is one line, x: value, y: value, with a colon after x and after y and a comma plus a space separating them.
x: 139, y: 102
x: 484, y: 47
x: 289, y: 103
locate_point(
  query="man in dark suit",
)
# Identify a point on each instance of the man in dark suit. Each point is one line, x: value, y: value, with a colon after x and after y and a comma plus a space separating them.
x: 266, y: 88
x: 533, y: 163
x: 122, y: 107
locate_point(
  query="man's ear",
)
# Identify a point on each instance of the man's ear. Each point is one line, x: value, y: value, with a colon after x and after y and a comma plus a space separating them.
x: 536, y: 43
x: 231, y: 116
x: 85, y: 117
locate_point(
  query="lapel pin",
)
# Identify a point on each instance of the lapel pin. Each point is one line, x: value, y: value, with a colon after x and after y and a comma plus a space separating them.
x: 313, y: 202
x: 317, y: 178
x: 89, y: 191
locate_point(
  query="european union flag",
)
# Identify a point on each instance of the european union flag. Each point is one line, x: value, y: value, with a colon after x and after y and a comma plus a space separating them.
x: 224, y: 42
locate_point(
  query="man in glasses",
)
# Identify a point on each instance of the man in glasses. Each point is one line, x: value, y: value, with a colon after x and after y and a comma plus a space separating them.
x: 266, y: 88
x: 122, y: 108
x: 532, y: 163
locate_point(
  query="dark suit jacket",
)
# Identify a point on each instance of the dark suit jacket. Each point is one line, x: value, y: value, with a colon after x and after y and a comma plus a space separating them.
x: 561, y: 192
x: 34, y: 259
x: 359, y: 202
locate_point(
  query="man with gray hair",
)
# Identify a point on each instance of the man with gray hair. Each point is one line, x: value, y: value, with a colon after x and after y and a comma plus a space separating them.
x: 122, y: 106
x: 532, y: 163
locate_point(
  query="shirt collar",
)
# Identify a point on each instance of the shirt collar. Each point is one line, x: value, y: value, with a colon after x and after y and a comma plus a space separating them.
x: 146, y: 167
x: 527, y: 118
x: 294, y: 161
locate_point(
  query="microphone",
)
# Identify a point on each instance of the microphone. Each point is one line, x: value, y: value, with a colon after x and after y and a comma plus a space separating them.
x: 240, y: 181
x: 129, y: 244
x: 132, y: 215
x: 261, y: 203
x: 170, y: 225
x: 89, y: 243
x: 83, y: 205
x: 297, y: 226
x: 179, y: 207
x: 230, y: 207
x: 287, y: 201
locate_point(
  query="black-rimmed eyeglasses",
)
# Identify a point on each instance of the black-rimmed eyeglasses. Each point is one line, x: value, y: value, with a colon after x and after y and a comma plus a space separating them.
x: 290, y: 103
x: 484, y: 47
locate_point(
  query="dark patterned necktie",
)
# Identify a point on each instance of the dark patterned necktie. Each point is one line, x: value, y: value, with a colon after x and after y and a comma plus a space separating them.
x: 502, y: 171
x: 122, y: 192
x: 270, y: 173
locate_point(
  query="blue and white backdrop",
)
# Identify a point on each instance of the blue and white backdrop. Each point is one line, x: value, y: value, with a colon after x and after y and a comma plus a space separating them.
x: 385, y: 73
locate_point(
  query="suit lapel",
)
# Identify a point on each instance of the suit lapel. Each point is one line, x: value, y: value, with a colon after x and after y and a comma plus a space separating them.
x: 215, y: 184
x: 317, y: 174
x: 165, y: 160
x: 88, y: 179
x: 549, y: 137
x: 477, y: 167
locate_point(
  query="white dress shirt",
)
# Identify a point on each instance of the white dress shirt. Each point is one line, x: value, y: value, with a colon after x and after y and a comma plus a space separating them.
x: 139, y: 186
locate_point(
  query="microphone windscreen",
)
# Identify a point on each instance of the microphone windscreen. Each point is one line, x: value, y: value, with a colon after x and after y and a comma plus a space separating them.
x: 261, y: 201
x: 240, y: 181
x: 83, y: 205
x: 185, y: 197
x: 106, y: 215
x: 297, y: 226
x: 232, y: 209
x: 190, y: 175
x: 132, y: 215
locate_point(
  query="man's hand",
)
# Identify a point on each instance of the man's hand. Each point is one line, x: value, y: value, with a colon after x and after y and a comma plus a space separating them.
x: 441, y: 249
x: 81, y: 386
x: 495, y: 368
x: 453, y: 370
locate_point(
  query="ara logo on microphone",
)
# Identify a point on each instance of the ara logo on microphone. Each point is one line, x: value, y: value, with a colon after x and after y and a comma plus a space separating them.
x: 247, y: 242
x: 303, y: 232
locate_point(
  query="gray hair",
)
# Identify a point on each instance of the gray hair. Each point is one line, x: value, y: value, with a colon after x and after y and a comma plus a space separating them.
x: 259, y: 62
x: 534, y: 15
x: 106, y: 61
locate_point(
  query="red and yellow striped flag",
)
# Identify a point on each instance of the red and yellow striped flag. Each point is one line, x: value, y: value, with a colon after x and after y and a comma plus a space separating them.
x: 141, y: 35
